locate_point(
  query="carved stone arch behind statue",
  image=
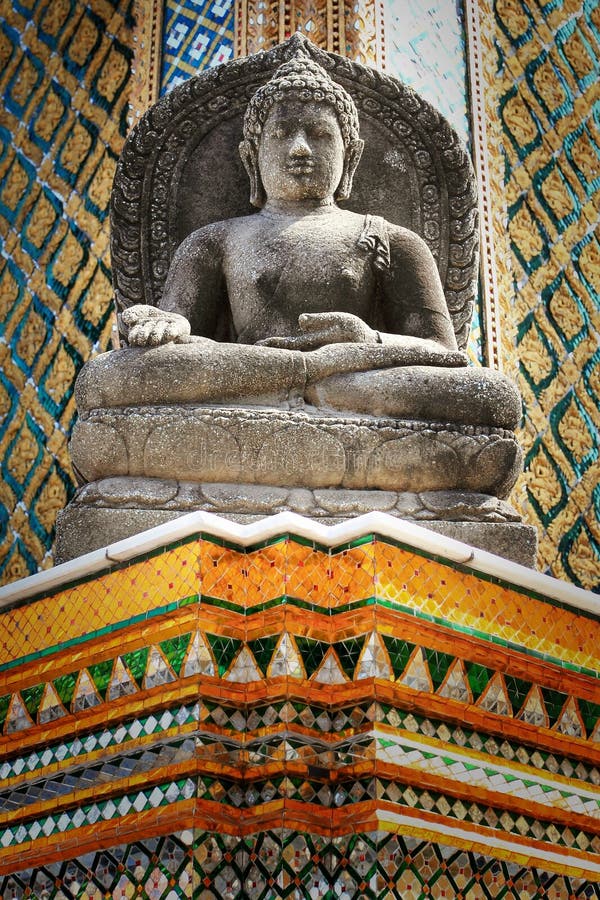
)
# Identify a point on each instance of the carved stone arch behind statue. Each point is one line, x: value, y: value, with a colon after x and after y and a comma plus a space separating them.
x: 180, y: 169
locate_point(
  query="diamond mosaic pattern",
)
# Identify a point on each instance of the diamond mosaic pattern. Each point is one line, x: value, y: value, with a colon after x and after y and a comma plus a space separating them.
x: 64, y: 88
x: 196, y: 36
x: 287, y: 683
x: 65, y: 68
x: 548, y: 55
x: 283, y: 863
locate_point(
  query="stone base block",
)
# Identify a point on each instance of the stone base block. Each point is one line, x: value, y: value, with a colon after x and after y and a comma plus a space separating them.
x: 115, y: 508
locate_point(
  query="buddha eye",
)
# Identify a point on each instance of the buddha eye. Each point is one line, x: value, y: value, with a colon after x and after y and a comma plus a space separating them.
x: 320, y: 131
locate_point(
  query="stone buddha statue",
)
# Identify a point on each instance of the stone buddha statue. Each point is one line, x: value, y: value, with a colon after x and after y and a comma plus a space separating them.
x: 302, y: 273
x: 301, y: 357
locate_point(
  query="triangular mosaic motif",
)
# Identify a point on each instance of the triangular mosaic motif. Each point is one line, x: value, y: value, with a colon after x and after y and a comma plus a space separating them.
x: 312, y: 653
x: 374, y: 660
x: 286, y: 660
x: 121, y: 683
x: 533, y: 710
x: 85, y: 695
x: 224, y: 650
x: 158, y: 670
x: 50, y: 707
x: 416, y: 675
x: 262, y: 650
x: 17, y: 719
x: 348, y: 653
x: 175, y: 650
x: 244, y: 668
x: 455, y: 684
x: 198, y: 659
x: 495, y: 697
x: 330, y: 670
x: 570, y: 722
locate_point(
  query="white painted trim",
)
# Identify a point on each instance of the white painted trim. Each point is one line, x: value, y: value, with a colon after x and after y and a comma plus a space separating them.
x: 492, y: 841
x: 489, y: 281
x: 462, y: 755
x: 421, y: 539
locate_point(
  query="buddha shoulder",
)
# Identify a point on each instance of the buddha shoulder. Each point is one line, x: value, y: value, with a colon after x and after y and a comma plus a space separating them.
x: 207, y: 241
x: 407, y: 245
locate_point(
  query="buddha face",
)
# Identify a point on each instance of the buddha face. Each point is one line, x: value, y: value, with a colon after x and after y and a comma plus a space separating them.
x: 301, y: 151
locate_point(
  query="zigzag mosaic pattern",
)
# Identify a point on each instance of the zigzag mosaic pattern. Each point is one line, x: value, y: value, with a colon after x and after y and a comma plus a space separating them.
x: 297, y: 720
x: 550, y: 118
x: 63, y: 80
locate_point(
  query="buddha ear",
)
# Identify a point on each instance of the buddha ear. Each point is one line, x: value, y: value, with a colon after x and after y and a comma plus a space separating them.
x: 351, y: 160
x: 249, y: 157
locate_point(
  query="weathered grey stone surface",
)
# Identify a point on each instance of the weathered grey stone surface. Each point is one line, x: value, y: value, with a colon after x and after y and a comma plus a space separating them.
x: 116, y: 508
x: 183, y: 157
x: 226, y: 373
x: 307, y: 356
x: 294, y: 448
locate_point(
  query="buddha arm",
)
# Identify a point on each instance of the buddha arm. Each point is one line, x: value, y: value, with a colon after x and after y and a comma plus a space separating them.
x: 194, y: 285
x: 414, y: 305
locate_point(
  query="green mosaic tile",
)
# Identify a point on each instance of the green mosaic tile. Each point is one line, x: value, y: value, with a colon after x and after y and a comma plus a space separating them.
x: 4, y: 704
x: 478, y: 677
x: 65, y: 687
x: 136, y: 662
x: 349, y: 652
x: 32, y: 697
x: 175, y: 650
x: 100, y: 674
x: 438, y: 663
x: 399, y: 652
x: 590, y: 713
x: 312, y: 653
x: 224, y: 650
x: 263, y: 649
x: 554, y: 701
x: 517, y: 691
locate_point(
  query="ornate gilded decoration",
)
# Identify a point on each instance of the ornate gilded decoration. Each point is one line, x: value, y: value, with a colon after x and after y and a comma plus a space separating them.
x: 64, y: 83
x: 546, y: 94
x: 352, y: 29
x: 292, y: 719
x: 175, y: 40
x: 55, y: 275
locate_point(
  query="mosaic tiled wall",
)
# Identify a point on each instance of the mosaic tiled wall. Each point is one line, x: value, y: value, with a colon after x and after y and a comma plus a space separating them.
x: 549, y: 67
x: 63, y: 82
x: 289, y: 720
x: 425, y: 48
x: 196, y: 36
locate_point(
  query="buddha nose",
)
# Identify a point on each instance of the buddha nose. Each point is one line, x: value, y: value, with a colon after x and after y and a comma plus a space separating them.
x: 300, y: 147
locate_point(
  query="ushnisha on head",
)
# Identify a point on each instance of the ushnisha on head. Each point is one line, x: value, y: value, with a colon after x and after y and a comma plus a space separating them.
x: 301, y: 81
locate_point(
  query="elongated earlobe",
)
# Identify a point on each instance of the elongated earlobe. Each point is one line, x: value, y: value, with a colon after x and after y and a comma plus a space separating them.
x: 351, y: 160
x: 250, y: 159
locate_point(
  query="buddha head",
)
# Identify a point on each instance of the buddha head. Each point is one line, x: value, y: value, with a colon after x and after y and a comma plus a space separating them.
x: 301, y: 139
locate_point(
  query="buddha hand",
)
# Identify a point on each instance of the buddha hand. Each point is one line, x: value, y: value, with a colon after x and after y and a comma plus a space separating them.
x: 147, y: 326
x: 319, y: 329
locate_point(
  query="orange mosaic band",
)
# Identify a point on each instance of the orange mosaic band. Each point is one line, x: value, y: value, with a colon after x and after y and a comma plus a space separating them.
x: 361, y: 817
x: 248, y: 580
